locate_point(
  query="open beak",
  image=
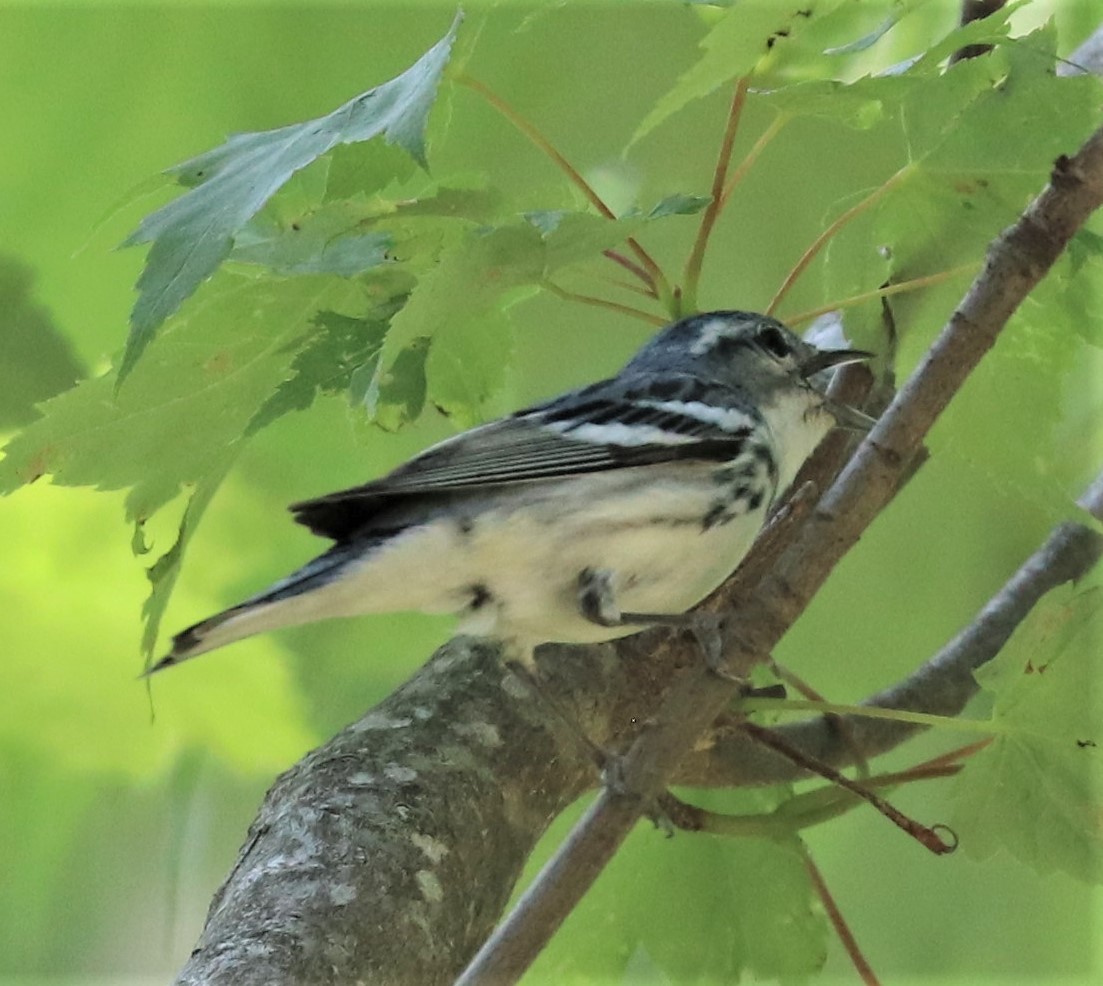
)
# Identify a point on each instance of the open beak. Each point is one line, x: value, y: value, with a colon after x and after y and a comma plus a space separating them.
x: 825, y: 359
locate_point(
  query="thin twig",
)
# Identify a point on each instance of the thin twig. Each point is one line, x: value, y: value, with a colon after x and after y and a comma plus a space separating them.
x: 936, y: 691
x: 799, y: 812
x: 926, y: 836
x: 838, y: 922
x: 587, y: 299
x: 901, y: 287
x: 655, y: 280
x: 802, y: 687
x: 822, y: 240
x: 692, y: 275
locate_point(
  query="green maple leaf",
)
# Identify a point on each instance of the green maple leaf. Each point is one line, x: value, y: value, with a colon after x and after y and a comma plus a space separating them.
x: 180, y: 420
x: 1035, y: 791
x: 36, y: 360
x: 192, y: 235
x: 772, y: 934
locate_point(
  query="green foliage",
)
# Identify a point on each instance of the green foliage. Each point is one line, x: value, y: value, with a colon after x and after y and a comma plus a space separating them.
x: 36, y: 360
x: 699, y: 886
x: 179, y: 419
x: 1028, y: 388
x: 456, y: 313
x: 1035, y: 790
x: 229, y: 185
x: 751, y: 38
x: 88, y: 715
x: 678, y: 205
x: 337, y: 347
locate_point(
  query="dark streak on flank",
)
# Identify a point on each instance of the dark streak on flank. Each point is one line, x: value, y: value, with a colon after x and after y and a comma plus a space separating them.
x: 715, y: 516
x: 764, y: 455
x: 480, y: 596
x: 730, y: 474
x: 726, y: 510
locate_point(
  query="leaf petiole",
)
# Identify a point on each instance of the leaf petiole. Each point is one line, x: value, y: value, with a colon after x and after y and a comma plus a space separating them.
x: 654, y: 277
x: 838, y: 922
x: 872, y: 712
x: 753, y: 155
x: 587, y: 299
x: 821, y: 241
x: 692, y: 275
x: 902, y: 287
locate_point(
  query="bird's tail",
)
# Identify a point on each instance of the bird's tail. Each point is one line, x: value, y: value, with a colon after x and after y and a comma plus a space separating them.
x: 297, y: 599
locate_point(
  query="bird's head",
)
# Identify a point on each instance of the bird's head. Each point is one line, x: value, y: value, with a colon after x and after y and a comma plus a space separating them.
x: 748, y: 352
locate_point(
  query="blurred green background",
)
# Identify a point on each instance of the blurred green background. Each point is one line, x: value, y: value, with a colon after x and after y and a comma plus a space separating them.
x: 120, y: 812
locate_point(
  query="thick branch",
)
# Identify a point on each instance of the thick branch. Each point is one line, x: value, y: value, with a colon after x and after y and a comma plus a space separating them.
x: 370, y: 859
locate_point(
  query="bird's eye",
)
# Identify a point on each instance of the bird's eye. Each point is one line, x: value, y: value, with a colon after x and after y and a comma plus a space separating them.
x: 773, y: 340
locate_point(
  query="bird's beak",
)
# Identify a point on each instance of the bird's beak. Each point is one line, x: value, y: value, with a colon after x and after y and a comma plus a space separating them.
x: 825, y: 359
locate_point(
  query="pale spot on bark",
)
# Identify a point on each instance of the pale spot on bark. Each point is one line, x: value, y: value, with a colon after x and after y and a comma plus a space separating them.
x: 342, y: 894
x: 399, y: 774
x: 484, y: 733
x: 434, y: 849
x: 429, y: 885
x: 376, y: 720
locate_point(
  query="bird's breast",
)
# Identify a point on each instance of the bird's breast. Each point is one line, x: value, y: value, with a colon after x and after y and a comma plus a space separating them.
x: 667, y: 535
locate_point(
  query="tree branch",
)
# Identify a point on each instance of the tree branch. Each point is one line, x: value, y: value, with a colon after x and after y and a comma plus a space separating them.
x: 369, y: 860
x: 1087, y: 58
x: 942, y: 686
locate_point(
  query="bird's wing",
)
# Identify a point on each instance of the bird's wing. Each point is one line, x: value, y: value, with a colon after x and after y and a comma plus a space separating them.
x: 606, y: 426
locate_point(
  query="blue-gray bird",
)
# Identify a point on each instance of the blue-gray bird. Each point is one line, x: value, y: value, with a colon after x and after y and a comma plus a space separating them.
x: 575, y: 519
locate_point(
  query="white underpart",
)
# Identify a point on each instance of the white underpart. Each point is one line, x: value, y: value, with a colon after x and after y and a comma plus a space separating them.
x: 392, y: 577
x: 644, y: 526
x: 798, y: 422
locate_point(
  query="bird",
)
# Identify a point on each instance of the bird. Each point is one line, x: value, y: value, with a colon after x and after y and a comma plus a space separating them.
x: 580, y: 519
